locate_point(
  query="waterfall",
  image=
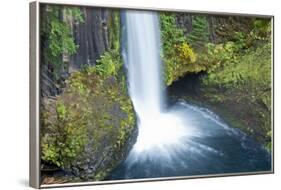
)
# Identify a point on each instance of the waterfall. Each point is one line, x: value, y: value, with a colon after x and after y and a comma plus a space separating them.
x: 142, y: 61
x: 179, y: 140
x: 182, y: 139
x: 141, y: 53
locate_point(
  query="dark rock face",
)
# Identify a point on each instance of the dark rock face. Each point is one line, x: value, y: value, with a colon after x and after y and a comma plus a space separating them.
x: 221, y: 28
x: 91, y: 37
x: 184, y: 20
x: 88, y: 131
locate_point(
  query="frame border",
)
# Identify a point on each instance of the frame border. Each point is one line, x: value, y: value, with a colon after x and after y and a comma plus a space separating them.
x: 34, y: 102
x: 34, y: 95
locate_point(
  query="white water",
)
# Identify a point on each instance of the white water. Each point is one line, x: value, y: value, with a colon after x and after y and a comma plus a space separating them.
x: 183, y: 139
x: 158, y: 129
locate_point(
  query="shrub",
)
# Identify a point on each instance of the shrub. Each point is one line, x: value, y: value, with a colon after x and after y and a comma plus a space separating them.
x: 244, y: 84
x: 66, y: 136
x: 56, y: 35
x: 217, y: 56
x: 244, y: 70
x: 93, y: 116
x: 186, y: 53
x: 108, y: 64
x: 176, y: 52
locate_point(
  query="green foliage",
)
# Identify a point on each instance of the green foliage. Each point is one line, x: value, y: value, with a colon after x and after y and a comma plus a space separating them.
x: 178, y: 57
x: 240, y: 39
x: 218, y: 55
x: 236, y: 71
x: 170, y: 33
x: 77, y: 84
x: 108, y: 64
x: 60, y: 39
x: 261, y: 30
x: 199, y: 35
x: 237, y: 67
x: 186, y: 53
x: 66, y: 135
x: 56, y: 35
x: 61, y: 110
x: 114, y: 30
x: 75, y: 13
x: 94, y: 111
x: 245, y: 83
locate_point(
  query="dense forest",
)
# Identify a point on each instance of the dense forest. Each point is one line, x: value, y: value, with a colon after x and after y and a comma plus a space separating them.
x: 88, y: 123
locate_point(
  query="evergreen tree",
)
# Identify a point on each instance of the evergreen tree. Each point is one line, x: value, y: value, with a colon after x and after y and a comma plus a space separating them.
x: 199, y: 35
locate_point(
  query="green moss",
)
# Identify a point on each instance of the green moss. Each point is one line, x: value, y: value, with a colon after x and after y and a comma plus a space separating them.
x: 236, y: 77
x: 177, y: 55
x: 57, y: 35
x: 88, y: 126
x: 114, y: 30
x: 253, y: 69
x: 61, y: 110
x: 109, y: 64
x: 240, y: 91
x: 63, y: 133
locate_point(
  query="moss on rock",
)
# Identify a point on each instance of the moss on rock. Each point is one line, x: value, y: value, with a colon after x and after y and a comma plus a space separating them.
x: 86, y: 130
x: 177, y: 55
x: 240, y: 92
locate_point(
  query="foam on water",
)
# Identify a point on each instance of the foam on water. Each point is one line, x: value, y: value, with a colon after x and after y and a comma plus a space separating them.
x: 180, y: 140
x: 159, y: 130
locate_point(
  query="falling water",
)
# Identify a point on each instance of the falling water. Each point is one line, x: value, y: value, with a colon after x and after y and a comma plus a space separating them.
x: 180, y: 140
x: 142, y: 60
x: 157, y: 128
